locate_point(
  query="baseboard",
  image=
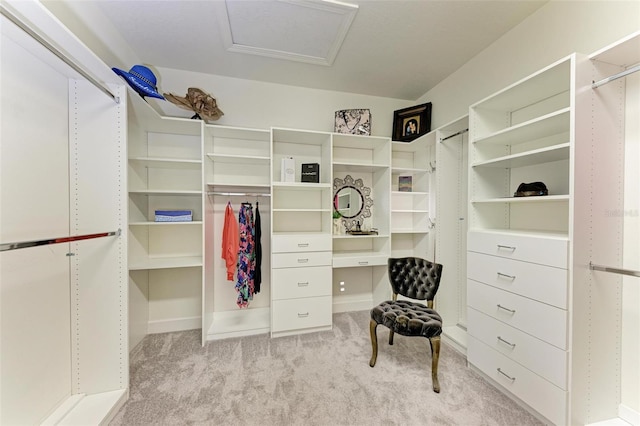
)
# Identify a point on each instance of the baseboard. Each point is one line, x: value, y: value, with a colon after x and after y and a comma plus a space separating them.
x: 629, y: 415
x: 92, y: 409
x: 351, y: 304
x: 238, y: 323
x: 176, y: 324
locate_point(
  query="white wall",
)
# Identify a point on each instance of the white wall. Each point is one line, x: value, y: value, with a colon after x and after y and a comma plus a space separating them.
x: 555, y: 30
x: 254, y: 104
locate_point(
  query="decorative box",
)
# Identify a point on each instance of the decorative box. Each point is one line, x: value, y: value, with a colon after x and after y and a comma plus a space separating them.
x: 288, y: 170
x: 310, y: 173
x: 405, y: 183
x: 353, y: 121
x: 174, y: 215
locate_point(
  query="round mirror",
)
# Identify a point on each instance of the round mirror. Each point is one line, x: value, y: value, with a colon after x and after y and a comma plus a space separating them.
x: 348, y: 201
x: 352, y: 200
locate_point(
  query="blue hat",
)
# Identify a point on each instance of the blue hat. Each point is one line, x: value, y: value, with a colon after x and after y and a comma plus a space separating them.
x: 141, y: 79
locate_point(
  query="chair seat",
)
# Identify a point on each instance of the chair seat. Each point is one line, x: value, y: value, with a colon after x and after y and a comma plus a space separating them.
x: 407, y: 318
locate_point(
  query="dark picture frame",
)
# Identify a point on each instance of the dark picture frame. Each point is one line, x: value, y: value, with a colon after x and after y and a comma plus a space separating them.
x: 412, y: 122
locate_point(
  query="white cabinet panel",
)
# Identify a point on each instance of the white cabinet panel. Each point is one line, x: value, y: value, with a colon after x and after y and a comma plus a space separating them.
x: 296, y: 260
x: 298, y: 314
x: 538, y: 356
x: 300, y: 243
x: 543, y: 283
x: 538, y: 319
x: 301, y: 282
x: 530, y: 248
x: 546, y: 398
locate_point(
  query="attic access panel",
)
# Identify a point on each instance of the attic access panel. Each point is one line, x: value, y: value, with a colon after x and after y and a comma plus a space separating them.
x: 310, y: 31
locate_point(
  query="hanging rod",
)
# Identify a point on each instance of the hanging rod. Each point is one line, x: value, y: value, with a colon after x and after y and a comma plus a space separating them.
x: 57, y: 52
x: 240, y: 194
x: 614, y: 270
x: 453, y: 135
x: 35, y: 243
x: 624, y: 73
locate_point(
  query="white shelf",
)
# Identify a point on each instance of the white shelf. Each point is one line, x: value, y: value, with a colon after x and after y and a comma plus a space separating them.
x: 513, y: 200
x: 240, y: 159
x: 301, y: 210
x: 153, y: 223
x: 344, y: 167
x: 409, y: 231
x: 539, y: 127
x: 347, y: 236
x: 408, y: 170
x: 409, y: 211
x: 549, y: 235
x: 529, y: 158
x: 409, y: 193
x: 167, y: 163
x: 302, y: 186
x: 164, y: 192
x: 165, y: 263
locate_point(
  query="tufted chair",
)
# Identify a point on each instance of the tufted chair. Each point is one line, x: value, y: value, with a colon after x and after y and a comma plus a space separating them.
x: 418, y: 279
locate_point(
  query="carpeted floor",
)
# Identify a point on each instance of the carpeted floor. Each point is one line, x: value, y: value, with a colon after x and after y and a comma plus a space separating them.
x: 311, y: 379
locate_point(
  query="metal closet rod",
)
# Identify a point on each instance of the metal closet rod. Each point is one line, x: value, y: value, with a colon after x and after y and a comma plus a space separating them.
x: 35, y: 243
x: 454, y: 135
x: 624, y: 73
x: 630, y: 272
x: 57, y: 52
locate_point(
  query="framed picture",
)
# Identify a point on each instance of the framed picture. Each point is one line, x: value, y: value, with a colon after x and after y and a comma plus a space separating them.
x: 353, y: 121
x: 410, y: 123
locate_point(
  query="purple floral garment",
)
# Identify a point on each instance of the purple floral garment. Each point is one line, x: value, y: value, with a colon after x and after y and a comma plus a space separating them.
x: 246, y: 256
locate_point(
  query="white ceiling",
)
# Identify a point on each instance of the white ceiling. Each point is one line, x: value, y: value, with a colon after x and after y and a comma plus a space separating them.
x: 391, y: 48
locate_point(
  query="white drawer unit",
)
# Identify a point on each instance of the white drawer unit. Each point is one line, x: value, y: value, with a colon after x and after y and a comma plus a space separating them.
x: 301, y: 282
x: 540, y: 357
x: 346, y: 261
x: 543, y: 321
x: 530, y: 248
x: 543, y: 396
x: 304, y: 259
x: 300, y: 243
x: 543, y: 283
x: 296, y: 315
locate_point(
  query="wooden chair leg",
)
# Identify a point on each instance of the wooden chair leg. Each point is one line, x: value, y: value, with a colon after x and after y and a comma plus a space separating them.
x: 435, y: 355
x: 374, y: 342
x: 391, y: 337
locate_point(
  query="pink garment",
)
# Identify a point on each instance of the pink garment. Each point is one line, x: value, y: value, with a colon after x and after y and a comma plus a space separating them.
x: 230, y: 241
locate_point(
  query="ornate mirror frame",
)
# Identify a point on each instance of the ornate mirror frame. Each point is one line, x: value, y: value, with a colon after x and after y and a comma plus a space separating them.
x: 365, y: 193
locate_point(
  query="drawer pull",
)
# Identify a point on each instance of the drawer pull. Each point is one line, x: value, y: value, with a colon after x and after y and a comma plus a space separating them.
x: 503, y: 247
x: 513, y: 311
x: 513, y: 379
x: 306, y: 314
x: 511, y: 277
x: 513, y: 345
x: 303, y: 260
x: 303, y: 284
x: 303, y: 244
x: 363, y: 263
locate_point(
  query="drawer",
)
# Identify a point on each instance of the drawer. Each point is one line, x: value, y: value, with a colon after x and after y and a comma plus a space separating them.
x: 296, y: 314
x: 350, y: 261
x: 544, y: 283
x: 538, y: 356
x: 530, y: 248
x: 300, y: 242
x: 543, y: 321
x: 544, y: 397
x: 289, y: 283
x: 297, y: 260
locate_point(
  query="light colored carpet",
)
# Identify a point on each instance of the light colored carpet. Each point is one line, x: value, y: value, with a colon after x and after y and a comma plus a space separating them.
x: 311, y: 379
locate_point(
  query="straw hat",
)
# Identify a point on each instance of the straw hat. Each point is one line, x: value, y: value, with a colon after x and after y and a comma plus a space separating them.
x: 198, y: 101
x: 141, y: 79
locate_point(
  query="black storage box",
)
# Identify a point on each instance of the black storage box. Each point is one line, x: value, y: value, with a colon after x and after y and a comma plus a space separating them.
x: 310, y: 173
